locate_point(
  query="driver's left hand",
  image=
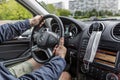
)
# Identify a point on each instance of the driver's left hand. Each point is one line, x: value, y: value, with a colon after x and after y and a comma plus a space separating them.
x: 35, y: 21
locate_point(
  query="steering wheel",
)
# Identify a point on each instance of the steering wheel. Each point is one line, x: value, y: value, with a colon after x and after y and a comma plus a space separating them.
x: 45, y: 40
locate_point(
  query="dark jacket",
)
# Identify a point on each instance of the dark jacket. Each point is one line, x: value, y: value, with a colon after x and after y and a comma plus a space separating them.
x: 50, y: 71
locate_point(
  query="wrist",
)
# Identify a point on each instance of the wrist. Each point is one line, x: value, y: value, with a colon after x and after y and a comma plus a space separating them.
x: 34, y: 64
x: 31, y: 22
x: 62, y: 56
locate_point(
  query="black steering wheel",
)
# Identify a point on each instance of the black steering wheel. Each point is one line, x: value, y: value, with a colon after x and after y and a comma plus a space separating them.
x: 45, y: 40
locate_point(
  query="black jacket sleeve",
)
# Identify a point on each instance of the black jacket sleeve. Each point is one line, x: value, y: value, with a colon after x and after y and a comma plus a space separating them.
x: 9, y: 31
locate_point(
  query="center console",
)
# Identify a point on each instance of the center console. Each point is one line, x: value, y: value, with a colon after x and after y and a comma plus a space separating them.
x: 106, y: 65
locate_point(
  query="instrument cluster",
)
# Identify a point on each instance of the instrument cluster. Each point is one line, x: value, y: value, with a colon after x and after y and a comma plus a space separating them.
x: 71, y: 30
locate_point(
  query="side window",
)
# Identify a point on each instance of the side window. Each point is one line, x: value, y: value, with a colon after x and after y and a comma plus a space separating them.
x: 11, y: 10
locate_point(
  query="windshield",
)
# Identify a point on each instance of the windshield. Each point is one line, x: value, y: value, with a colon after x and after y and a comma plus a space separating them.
x: 55, y: 7
x: 83, y: 8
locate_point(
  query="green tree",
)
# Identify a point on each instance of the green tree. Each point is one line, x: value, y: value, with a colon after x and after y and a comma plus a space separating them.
x: 63, y: 12
x: 3, y: 1
x: 101, y: 13
x: 13, y: 11
x: 52, y: 9
x: 109, y: 13
x: 78, y: 13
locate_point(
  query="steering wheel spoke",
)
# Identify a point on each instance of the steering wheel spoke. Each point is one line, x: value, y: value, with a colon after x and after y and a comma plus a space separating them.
x: 35, y: 48
x: 49, y: 52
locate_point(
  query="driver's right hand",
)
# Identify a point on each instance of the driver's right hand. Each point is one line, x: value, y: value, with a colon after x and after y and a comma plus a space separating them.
x: 60, y: 50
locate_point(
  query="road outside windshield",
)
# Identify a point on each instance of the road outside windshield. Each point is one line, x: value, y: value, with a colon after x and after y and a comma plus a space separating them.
x: 81, y: 9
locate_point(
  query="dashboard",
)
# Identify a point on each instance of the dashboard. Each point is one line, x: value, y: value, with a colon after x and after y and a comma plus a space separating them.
x: 106, y: 62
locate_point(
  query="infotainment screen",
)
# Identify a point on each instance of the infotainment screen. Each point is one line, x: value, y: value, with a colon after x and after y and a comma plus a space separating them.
x: 106, y: 57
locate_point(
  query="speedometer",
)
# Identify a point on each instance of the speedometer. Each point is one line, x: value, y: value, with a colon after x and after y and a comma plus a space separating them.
x: 73, y: 30
x: 55, y: 28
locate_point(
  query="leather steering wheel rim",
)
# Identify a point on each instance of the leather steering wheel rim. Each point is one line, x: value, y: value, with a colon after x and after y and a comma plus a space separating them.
x: 48, y: 51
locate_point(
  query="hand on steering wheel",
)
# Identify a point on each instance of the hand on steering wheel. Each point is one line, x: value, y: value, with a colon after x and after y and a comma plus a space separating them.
x: 60, y: 50
x: 46, y: 40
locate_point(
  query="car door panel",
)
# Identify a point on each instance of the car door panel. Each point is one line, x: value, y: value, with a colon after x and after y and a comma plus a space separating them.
x: 13, y: 49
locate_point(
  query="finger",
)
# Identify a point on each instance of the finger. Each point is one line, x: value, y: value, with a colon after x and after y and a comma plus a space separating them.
x: 42, y: 23
x: 61, y: 43
x: 54, y: 51
x: 55, y: 48
x: 40, y: 18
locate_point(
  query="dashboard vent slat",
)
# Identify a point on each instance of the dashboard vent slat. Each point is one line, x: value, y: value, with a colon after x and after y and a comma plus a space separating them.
x: 100, y: 29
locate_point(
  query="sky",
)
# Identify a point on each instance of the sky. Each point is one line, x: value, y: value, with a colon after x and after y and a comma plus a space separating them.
x: 119, y: 4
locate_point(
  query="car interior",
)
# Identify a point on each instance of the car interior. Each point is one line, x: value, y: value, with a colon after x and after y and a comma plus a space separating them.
x: 92, y: 45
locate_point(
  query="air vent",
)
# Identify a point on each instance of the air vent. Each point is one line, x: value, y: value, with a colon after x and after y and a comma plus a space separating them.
x: 116, y: 32
x: 100, y: 29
